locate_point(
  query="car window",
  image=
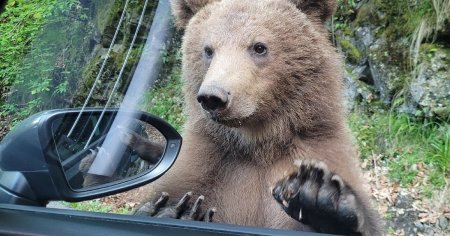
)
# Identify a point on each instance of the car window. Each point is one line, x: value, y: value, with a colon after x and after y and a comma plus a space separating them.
x: 80, y: 54
x: 102, y: 55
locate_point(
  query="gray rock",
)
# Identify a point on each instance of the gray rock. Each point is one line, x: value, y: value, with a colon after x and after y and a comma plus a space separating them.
x: 430, y: 89
x: 419, y: 226
x: 365, y: 36
x: 443, y: 222
x: 350, y: 92
x: 117, y: 48
x: 363, y: 40
x: 385, y: 76
x: 404, y: 200
x: 356, y: 87
x: 409, y: 108
x: 363, y: 74
x: 429, y: 232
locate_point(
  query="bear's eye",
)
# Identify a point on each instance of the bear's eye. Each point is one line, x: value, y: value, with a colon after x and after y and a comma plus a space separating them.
x: 208, y: 52
x: 260, y: 48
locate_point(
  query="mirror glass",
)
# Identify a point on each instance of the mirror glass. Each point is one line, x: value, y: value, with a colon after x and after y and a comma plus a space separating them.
x: 96, y: 149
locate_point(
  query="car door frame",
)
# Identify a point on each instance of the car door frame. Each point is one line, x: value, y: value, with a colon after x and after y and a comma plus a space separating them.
x: 31, y: 220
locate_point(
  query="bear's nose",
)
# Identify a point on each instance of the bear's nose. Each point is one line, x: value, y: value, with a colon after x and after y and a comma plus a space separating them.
x: 212, y: 98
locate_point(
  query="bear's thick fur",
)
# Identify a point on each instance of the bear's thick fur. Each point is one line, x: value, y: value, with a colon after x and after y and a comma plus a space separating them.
x: 263, y: 88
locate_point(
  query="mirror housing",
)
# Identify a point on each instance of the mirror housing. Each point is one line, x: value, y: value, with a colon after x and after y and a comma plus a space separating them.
x: 31, y: 172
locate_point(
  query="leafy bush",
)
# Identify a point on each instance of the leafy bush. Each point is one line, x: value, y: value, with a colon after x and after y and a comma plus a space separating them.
x: 31, y: 65
x: 19, y: 23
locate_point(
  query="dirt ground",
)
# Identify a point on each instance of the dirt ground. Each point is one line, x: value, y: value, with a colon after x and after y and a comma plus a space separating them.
x: 129, y: 200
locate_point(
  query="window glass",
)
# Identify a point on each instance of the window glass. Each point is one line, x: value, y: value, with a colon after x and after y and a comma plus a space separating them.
x: 93, y: 55
x: 86, y: 54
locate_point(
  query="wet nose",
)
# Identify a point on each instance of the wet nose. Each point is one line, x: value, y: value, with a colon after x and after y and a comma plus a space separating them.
x: 212, y: 98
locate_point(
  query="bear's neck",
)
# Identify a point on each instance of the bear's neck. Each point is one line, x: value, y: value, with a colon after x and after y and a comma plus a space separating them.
x: 263, y: 145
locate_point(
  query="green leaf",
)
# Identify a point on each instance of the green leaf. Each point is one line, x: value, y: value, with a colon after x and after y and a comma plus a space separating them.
x: 37, y: 15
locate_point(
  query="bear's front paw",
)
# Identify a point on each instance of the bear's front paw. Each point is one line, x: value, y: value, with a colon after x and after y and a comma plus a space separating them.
x: 318, y: 197
x: 91, y: 180
x: 181, y: 210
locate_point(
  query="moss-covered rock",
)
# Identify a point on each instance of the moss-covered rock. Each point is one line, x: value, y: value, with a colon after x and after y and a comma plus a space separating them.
x: 350, y: 50
x: 430, y: 89
x: 387, y: 76
x: 106, y: 17
x: 359, y: 87
x: 383, y: 36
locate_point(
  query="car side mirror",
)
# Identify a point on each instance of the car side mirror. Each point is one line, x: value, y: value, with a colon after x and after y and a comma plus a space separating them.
x: 76, y: 155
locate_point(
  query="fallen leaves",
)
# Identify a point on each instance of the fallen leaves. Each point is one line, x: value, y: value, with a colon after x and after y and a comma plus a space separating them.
x: 127, y: 200
x: 386, y: 193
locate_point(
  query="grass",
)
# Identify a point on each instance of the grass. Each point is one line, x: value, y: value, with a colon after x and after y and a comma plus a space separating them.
x: 93, y: 205
x: 405, y: 144
x: 97, y: 206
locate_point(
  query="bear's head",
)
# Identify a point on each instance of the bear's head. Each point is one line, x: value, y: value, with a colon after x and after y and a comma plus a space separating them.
x: 260, y: 66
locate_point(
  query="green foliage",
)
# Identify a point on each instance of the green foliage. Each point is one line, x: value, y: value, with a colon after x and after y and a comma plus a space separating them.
x: 167, y: 102
x: 441, y: 151
x: 166, y: 98
x: 404, y: 143
x: 47, y: 67
x: 20, y: 22
x: 345, y: 9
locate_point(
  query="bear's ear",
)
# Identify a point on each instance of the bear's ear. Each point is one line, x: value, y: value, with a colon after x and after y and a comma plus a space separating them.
x: 184, y: 10
x: 317, y: 9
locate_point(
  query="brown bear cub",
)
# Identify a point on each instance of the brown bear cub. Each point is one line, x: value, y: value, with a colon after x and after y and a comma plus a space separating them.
x: 263, y: 90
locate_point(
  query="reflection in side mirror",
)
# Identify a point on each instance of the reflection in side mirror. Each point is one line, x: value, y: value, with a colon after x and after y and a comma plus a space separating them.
x: 113, y: 153
x: 75, y: 155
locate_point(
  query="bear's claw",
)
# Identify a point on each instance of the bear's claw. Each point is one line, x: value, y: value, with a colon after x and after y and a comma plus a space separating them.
x: 181, y: 210
x: 318, y: 197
